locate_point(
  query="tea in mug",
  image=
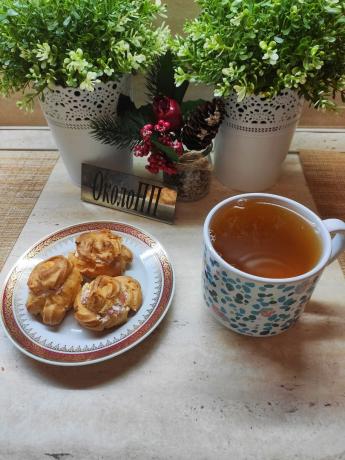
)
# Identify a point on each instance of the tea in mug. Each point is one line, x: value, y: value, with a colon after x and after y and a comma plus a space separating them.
x: 265, y: 239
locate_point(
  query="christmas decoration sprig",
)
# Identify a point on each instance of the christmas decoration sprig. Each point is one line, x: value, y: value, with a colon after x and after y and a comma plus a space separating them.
x: 164, y: 129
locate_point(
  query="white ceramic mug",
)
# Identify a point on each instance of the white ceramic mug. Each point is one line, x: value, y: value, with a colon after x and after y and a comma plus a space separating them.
x: 257, y: 306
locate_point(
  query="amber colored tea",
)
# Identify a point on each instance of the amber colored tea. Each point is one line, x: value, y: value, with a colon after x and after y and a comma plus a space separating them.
x: 265, y: 239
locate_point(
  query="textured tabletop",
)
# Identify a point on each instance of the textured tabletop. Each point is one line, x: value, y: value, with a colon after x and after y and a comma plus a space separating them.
x: 193, y: 389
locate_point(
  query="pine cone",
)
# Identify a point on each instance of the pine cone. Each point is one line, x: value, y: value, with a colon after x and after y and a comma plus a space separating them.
x: 203, y: 124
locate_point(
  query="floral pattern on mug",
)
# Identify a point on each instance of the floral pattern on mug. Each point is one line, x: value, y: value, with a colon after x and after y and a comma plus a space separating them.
x: 251, y: 307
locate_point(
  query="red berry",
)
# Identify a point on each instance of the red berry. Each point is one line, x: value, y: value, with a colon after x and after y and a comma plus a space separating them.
x: 146, y: 132
x: 177, y: 145
x: 161, y: 126
x: 142, y: 149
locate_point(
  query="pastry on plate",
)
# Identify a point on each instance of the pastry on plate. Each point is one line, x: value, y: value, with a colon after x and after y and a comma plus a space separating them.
x: 100, y: 253
x: 53, y: 285
x: 106, y: 302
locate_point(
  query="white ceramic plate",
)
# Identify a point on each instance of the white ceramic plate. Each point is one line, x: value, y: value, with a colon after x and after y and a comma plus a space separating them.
x: 69, y: 344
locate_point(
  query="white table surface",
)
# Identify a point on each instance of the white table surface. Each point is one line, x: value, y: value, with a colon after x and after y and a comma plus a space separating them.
x: 193, y: 389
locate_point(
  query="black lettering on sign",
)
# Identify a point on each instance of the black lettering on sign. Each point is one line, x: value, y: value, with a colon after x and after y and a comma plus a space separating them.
x: 130, y: 199
x: 157, y: 201
x: 153, y: 191
x: 114, y: 194
x: 144, y: 196
x: 123, y: 193
x: 97, y: 186
x: 106, y: 192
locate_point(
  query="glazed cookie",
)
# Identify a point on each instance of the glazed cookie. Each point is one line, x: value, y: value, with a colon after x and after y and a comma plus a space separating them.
x: 106, y: 302
x: 100, y: 253
x: 53, y: 285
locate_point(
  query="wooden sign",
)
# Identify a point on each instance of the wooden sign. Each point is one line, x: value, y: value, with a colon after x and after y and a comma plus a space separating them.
x: 128, y: 193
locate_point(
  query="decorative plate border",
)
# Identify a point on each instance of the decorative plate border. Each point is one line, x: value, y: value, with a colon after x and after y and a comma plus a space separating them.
x: 51, y: 356
x: 104, y: 341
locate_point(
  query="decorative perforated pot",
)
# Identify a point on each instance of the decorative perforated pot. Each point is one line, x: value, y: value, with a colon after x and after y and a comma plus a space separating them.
x: 68, y: 112
x: 254, y: 140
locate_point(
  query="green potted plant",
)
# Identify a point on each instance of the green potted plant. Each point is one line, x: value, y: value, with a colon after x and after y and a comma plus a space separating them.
x: 264, y: 57
x: 77, y: 56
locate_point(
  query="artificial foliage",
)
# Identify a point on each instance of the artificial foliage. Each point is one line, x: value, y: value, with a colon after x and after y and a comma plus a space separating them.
x: 76, y: 43
x: 264, y: 46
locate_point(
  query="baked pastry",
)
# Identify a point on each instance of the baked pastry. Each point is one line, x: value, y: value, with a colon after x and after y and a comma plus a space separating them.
x: 53, y: 284
x: 100, y: 253
x: 106, y: 302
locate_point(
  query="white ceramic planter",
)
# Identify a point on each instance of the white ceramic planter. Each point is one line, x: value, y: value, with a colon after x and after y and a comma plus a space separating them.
x: 68, y: 112
x: 254, y: 140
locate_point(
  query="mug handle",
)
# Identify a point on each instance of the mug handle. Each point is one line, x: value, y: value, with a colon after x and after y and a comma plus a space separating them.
x: 338, y: 241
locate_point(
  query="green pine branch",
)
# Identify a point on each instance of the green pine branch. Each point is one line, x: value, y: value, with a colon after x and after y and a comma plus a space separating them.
x: 114, y: 131
x: 160, y: 80
x: 122, y: 130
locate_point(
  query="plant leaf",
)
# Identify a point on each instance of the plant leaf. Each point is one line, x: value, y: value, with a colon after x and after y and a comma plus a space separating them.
x: 11, y: 12
x: 124, y: 104
x: 67, y: 21
x: 180, y: 92
x: 168, y: 151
